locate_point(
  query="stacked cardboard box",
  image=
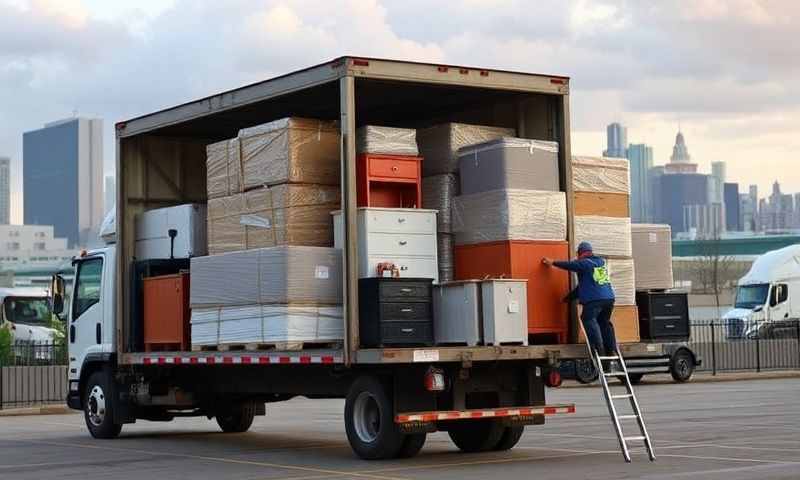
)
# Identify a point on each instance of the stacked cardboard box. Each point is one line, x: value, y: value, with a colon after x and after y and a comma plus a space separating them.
x: 652, y: 253
x: 273, y: 186
x: 602, y: 217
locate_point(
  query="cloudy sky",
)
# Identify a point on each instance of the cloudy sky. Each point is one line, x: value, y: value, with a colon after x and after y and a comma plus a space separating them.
x: 727, y: 70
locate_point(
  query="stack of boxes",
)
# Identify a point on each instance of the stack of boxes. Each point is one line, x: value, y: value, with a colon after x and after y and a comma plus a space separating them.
x: 602, y: 218
x: 511, y: 214
x: 439, y: 146
x: 271, y: 277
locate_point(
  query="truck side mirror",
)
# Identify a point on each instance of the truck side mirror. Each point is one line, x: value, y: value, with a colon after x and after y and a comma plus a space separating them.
x: 57, y: 295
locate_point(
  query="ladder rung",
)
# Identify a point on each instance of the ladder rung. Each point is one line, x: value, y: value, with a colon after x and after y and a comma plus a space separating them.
x: 635, y: 439
x: 626, y: 395
x: 615, y: 374
x: 609, y: 358
x: 628, y: 417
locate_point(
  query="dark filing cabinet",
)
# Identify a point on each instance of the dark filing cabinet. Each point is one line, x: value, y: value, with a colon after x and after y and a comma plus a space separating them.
x: 395, y: 311
x: 663, y: 316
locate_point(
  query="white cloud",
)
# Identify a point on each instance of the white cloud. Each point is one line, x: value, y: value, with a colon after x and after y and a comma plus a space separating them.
x: 727, y: 69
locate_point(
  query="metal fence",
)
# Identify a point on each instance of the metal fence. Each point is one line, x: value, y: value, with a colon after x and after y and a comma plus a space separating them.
x: 32, y: 374
x: 737, y: 345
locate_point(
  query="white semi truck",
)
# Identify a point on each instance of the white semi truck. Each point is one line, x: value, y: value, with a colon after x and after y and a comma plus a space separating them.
x: 483, y: 396
x: 768, y: 297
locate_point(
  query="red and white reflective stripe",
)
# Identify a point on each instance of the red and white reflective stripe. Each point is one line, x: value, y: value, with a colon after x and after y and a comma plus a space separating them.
x: 484, y: 413
x: 238, y: 359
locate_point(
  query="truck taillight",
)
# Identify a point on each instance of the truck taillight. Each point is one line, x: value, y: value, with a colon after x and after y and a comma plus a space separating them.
x: 435, y: 380
x: 553, y: 379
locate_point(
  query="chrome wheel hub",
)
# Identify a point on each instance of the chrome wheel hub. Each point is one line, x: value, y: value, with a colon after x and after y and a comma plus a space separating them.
x: 96, y: 406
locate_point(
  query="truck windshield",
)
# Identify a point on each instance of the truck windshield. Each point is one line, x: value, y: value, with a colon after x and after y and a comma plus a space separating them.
x: 751, y: 296
x: 28, y: 311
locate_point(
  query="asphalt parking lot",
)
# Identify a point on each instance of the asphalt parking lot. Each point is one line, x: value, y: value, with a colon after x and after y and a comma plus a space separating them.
x: 731, y: 430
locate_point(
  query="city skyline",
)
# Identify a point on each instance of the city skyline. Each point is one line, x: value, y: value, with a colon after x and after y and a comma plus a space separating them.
x: 118, y: 60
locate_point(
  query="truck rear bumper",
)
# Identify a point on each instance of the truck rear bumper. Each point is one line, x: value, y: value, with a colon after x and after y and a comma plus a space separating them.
x: 484, y: 413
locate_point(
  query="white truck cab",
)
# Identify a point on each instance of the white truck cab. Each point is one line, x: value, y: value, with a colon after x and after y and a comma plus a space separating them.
x: 26, y: 313
x: 768, y: 297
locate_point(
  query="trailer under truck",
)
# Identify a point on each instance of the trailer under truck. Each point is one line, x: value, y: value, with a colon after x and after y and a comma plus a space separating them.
x: 483, y: 396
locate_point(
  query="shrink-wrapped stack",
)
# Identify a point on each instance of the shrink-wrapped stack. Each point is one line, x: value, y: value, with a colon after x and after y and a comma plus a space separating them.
x: 290, y: 150
x: 439, y: 144
x: 610, y: 236
x: 652, y: 252
x: 511, y: 214
x: 387, y: 140
x: 623, y: 277
x: 286, y: 214
x: 267, y: 295
x: 438, y: 192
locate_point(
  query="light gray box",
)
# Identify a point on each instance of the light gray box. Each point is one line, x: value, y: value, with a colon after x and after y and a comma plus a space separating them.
x: 505, y: 311
x: 509, y: 163
x: 153, y: 226
x: 456, y: 313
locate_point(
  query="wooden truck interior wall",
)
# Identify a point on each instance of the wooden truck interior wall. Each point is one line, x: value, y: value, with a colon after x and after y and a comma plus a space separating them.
x: 167, y: 166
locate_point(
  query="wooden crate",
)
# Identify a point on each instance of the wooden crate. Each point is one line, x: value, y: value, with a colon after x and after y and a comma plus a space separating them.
x: 626, y: 324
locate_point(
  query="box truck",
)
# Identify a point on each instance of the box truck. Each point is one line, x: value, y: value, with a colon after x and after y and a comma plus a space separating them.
x: 768, y: 297
x: 483, y: 396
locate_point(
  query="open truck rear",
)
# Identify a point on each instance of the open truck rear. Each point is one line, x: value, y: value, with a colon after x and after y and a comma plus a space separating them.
x: 482, y: 395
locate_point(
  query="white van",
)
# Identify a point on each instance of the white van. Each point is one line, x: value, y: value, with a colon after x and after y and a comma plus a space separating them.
x: 26, y: 313
x: 768, y: 297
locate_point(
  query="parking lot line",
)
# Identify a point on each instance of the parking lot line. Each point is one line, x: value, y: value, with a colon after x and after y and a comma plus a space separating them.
x: 333, y: 473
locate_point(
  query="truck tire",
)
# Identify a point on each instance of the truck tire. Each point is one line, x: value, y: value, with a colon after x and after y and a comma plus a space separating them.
x: 98, y: 407
x: 510, y: 438
x: 472, y: 436
x: 635, y: 378
x: 238, y: 418
x: 412, y: 444
x: 369, y: 420
x: 682, y: 366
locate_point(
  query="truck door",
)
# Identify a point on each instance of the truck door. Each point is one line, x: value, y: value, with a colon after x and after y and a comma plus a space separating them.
x: 778, y: 313
x: 86, y: 313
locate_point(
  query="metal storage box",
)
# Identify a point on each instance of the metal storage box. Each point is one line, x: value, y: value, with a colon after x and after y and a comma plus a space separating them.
x: 505, y: 311
x: 403, y: 236
x: 509, y: 163
x: 457, y: 313
x: 153, y: 226
x: 663, y: 316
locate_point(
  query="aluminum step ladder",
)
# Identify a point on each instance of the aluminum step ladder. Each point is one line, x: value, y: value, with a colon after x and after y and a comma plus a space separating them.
x: 622, y: 373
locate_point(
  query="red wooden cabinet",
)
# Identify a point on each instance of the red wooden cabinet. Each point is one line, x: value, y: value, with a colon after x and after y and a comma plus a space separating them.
x: 166, y: 312
x: 389, y: 181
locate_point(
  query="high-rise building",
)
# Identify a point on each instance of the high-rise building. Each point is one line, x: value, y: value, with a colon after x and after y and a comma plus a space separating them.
x: 63, y: 178
x: 777, y: 212
x: 640, y: 157
x: 32, y: 246
x: 747, y: 209
x: 654, y: 179
x: 705, y: 221
x: 5, y: 190
x: 110, y: 194
x: 732, y: 207
x: 679, y: 190
x: 796, y: 210
x: 616, y: 141
x: 680, y: 161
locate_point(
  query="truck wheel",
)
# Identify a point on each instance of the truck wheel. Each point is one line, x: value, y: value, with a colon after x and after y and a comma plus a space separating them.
x: 635, y: 378
x: 585, y: 372
x: 238, y: 418
x: 510, y: 438
x: 412, y: 444
x: 472, y: 436
x: 682, y: 366
x: 369, y: 420
x: 98, y: 407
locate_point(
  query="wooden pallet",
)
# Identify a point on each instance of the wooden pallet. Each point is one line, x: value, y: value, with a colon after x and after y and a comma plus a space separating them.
x: 268, y: 346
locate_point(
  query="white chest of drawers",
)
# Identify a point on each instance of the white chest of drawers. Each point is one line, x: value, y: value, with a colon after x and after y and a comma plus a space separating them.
x: 405, y: 237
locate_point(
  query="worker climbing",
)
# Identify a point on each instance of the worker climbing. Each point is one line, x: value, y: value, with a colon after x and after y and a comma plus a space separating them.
x: 596, y: 294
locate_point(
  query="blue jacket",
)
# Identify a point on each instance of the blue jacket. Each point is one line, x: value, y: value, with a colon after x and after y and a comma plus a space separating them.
x: 593, y: 279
